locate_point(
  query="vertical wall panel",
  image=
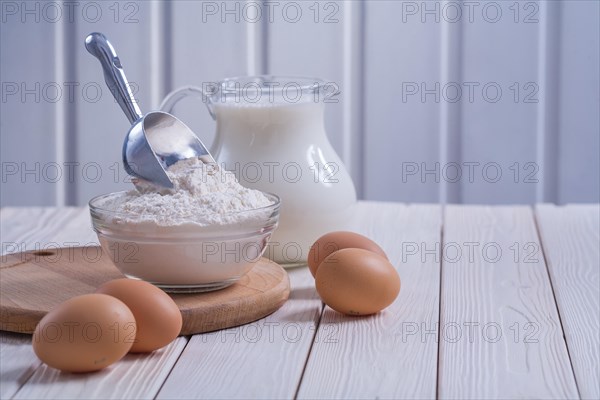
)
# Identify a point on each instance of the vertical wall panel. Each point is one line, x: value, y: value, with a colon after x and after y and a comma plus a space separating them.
x: 101, y: 126
x: 353, y: 96
x: 306, y: 39
x: 579, y: 102
x: 450, y: 110
x: 401, y: 131
x: 209, y: 44
x: 498, y: 129
x: 30, y: 97
x: 547, y: 114
x: 397, y: 64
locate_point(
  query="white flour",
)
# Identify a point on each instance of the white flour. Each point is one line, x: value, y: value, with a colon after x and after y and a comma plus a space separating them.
x: 203, y: 194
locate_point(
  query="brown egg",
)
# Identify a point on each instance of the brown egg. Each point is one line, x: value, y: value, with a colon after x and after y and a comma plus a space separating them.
x: 334, y: 241
x: 86, y: 333
x: 157, y: 316
x: 357, y: 282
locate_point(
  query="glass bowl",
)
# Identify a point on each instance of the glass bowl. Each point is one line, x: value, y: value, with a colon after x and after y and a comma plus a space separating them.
x: 184, y: 256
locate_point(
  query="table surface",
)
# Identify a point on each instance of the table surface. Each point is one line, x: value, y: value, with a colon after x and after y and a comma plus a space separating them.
x: 496, y: 302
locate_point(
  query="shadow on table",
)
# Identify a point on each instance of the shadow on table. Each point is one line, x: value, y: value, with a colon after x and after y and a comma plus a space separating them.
x: 331, y: 316
x: 304, y: 293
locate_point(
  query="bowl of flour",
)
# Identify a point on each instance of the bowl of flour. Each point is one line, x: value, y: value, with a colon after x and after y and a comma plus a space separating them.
x: 204, y: 234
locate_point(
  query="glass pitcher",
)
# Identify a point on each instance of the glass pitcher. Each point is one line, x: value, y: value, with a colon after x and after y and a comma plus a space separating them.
x: 270, y: 132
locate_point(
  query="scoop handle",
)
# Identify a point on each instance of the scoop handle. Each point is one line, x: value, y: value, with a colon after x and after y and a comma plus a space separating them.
x: 98, y: 45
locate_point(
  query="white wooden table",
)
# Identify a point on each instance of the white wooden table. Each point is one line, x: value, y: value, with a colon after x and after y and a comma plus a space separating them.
x: 496, y: 302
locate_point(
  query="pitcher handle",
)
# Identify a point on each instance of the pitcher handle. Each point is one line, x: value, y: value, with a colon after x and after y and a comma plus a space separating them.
x: 175, y: 96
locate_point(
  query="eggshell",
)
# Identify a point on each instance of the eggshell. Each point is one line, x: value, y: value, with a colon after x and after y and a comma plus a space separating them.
x: 357, y: 282
x: 86, y: 333
x: 334, y: 241
x: 157, y: 316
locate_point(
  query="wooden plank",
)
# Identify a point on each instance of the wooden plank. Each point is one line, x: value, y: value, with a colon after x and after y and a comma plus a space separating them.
x: 71, y: 226
x: 264, y: 359
x: 40, y: 228
x: 500, y: 333
x: 21, y: 227
x: 391, y: 354
x: 570, y: 237
x: 135, y: 376
x: 17, y: 362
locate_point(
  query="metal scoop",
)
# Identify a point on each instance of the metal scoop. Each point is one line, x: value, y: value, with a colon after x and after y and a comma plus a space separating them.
x: 156, y: 140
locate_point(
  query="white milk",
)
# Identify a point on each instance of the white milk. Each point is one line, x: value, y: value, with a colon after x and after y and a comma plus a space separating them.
x: 282, y: 148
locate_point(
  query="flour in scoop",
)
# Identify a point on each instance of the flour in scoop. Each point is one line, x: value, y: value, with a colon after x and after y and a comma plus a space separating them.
x: 203, y: 194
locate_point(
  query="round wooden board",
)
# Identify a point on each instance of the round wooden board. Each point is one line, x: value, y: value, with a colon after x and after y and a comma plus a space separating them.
x: 32, y: 283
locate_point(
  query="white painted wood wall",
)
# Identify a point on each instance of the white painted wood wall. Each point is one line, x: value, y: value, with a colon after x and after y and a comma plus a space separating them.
x: 542, y: 134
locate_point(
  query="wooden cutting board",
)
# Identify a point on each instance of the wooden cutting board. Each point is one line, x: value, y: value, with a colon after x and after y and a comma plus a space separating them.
x: 32, y: 283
